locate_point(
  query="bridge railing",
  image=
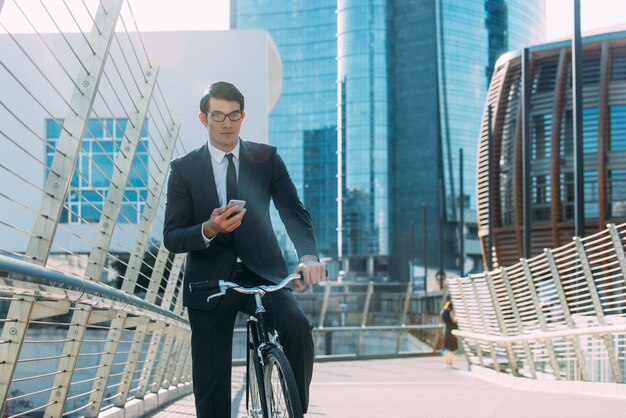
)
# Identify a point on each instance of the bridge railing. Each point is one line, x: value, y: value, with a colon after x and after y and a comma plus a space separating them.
x: 560, y: 315
x: 151, y: 353
x: 357, y: 320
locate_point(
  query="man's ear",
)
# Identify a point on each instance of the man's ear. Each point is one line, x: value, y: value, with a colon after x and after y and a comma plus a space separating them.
x: 202, y: 117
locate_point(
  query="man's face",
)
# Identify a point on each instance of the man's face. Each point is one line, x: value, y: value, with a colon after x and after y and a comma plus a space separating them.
x: 223, y: 135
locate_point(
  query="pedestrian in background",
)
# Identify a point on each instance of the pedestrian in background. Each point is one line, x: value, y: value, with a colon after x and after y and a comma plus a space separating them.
x: 450, y: 344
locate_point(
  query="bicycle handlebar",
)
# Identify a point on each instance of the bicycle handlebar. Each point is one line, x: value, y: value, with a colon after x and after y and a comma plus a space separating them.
x: 218, y: 288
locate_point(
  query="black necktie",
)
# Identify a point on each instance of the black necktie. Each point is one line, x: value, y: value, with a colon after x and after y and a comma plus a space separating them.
x: 231, y: 179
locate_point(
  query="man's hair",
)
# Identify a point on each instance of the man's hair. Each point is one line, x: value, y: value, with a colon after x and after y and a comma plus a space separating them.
x: 221, y: 90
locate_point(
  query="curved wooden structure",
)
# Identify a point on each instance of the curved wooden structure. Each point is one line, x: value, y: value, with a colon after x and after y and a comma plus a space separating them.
x: 552, y: 188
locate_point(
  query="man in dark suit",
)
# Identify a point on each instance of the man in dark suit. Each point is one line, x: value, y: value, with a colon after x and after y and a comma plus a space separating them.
x: 226, y: 243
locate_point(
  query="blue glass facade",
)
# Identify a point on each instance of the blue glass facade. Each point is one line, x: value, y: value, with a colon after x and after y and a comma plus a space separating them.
x: 406, y: 93
x: 472, y: 36
x: 94, y: 168
x: 363, y: 80
x: 303, y: 123
x: 464, y: 38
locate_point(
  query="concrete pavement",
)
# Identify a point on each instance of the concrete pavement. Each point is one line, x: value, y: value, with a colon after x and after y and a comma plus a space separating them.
x: 420, y: 387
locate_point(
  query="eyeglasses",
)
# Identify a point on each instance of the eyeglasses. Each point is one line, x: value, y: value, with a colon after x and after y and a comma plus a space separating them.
x: 221, y: 117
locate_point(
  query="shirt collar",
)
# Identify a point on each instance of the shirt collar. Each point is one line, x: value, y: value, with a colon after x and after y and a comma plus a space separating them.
x: 219, y: 155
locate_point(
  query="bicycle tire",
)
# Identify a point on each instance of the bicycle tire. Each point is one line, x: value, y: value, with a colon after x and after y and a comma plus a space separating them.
x: 281, y: 392
x: 256, y: 402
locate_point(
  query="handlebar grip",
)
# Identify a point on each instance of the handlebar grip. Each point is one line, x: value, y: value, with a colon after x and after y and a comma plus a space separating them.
x: 302, y: 276
x: 208, y: 286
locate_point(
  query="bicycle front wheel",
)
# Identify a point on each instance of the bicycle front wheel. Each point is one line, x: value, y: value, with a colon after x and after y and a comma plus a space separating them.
x: 281, y: 392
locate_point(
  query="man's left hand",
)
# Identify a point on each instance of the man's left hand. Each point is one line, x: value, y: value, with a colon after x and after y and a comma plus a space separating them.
x: 312, y: 269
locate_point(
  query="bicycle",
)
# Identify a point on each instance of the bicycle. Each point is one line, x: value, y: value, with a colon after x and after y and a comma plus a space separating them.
x: 266, y: 362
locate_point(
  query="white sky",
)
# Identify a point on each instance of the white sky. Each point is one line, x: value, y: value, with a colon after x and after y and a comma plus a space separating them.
x: 594, y: 14
x: 153, y: 15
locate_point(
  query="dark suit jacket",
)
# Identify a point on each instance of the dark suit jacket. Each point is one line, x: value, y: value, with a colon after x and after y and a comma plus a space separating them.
x: 192, y: 196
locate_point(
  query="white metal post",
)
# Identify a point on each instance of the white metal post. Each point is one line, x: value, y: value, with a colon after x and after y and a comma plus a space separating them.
x: 155, y: 343
x: 483, y: 320
x: 364, y: 314
x: 173, y: 339
x: 405, y: 310
x: 567, y: 315
x: 182, y: 338
x: 179, y: 366
x: 470, y: 322
x: 619, y: 249
x: 164, y: 359
x: 172, y: 361
x: 142, y: 329
x: 320, y: 325
x: 556, y: 370
x: 144, y: 381
x: 501, y: 324
x: 187, y: 369
x: 597, y: 306
x: 518, y: 322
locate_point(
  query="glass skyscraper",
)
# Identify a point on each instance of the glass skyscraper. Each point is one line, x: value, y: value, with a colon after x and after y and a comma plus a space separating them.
x: 363, y: 80
x: 444, y: 53
x: 404, y: 83
x: 303, y: 124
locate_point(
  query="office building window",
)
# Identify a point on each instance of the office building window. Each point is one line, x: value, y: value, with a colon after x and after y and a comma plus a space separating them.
x: 94, y: 168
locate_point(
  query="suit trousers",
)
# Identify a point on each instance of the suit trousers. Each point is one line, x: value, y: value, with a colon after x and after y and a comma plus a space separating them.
x: 212, y: 336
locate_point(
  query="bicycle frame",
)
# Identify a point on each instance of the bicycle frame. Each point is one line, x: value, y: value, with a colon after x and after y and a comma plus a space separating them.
x: 263, y: 350
x: 259, y: 314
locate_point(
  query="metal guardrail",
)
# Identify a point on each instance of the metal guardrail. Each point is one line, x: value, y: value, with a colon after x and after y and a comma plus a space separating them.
x: 152, y: 350
x: 358, y: 320
x: 18, y: 278
x: 560, y: 315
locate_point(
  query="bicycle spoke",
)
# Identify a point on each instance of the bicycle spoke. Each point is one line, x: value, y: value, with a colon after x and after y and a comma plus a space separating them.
x: 279, y: 404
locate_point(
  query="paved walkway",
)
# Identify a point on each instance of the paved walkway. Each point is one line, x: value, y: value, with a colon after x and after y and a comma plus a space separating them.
x: 420, y: 387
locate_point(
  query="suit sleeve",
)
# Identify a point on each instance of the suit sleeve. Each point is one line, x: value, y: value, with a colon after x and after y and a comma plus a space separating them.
x: 180, y: 234
x: 295, y: 217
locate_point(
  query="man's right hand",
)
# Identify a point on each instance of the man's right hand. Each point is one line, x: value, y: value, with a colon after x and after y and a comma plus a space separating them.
x: 223, y: 220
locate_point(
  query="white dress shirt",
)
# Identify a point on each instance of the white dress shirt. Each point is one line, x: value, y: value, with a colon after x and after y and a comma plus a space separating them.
x: 220, y: 166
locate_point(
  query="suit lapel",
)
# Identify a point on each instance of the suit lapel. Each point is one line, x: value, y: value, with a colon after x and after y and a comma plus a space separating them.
x: 207, y: 180
x: 243, y: 182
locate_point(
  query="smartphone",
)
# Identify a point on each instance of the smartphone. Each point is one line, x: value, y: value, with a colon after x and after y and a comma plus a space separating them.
x: 240, y: 203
